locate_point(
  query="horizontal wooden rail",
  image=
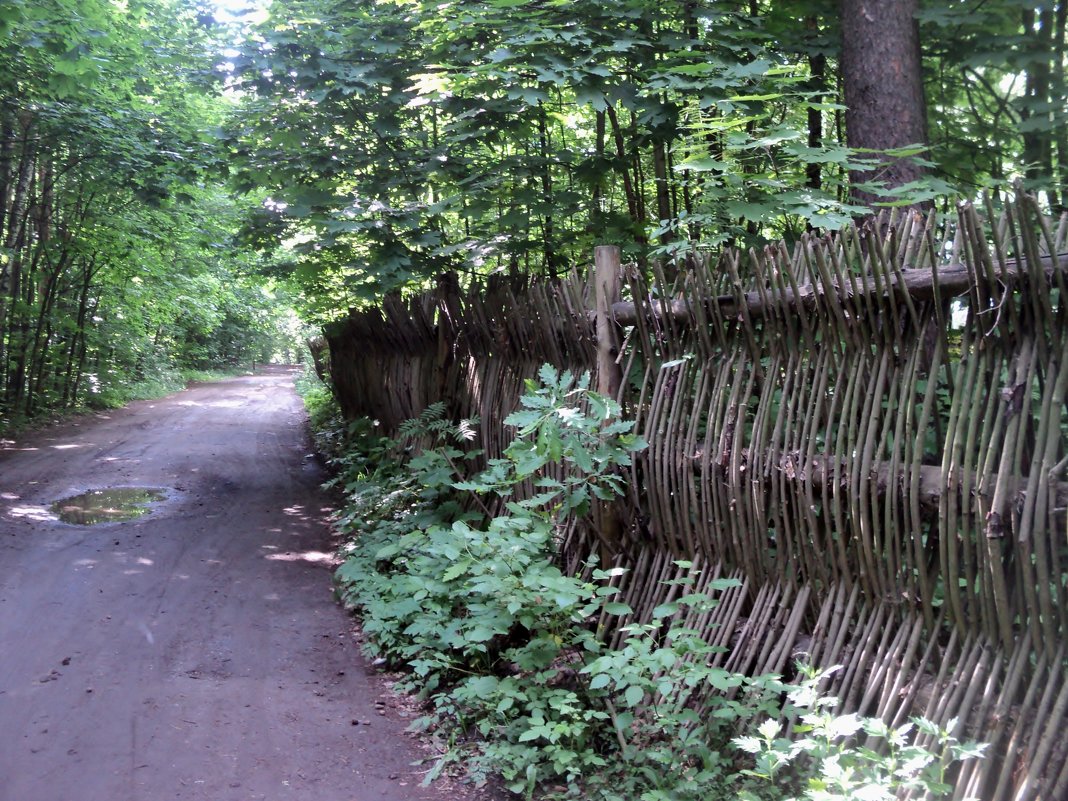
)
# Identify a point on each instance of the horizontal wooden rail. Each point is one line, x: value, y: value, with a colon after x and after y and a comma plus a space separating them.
x: 820, y: 472
x: 921, y: 285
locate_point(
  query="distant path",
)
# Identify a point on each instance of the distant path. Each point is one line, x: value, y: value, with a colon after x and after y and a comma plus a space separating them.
x: 195, y: 653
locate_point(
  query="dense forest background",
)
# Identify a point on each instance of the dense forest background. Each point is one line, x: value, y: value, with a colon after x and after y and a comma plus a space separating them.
x: 179, y: 179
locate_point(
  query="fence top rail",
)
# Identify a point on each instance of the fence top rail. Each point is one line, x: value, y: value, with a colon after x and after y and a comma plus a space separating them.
x: 950, y: 280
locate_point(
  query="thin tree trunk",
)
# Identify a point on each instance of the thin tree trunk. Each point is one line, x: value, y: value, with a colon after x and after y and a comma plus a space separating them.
x: 597, y: 201
x: 624, y: 169
x: 1059, y: 95
x: 817, y: 67
x: 663, y: 194
x: 11, y: 236
x: 546, y: 193
x: 1037, y: 139
x: 7, y: 156
x: 21, y: 198
x: 70, y: 382
x: 639, y: 175
x: 43, y: 329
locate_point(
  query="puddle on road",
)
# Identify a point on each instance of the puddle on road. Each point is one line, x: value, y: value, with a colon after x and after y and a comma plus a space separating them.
x: 107, y: 505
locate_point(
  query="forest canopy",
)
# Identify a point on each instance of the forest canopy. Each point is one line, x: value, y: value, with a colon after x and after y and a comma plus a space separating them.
x: 400, y: 139
x: 118, y: 264
x: 177, y: 176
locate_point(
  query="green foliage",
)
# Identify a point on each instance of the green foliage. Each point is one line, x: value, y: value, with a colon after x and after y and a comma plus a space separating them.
x: 827, y: 760
x: 562, y: 421
x: 350, y: 448
x: 117, y: 265
x: 504, y: 646
x: 400, y: 139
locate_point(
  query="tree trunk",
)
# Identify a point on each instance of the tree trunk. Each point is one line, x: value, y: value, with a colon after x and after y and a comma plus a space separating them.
x: 624, y: 170
x: 1037, y: 138
x: 817, y: 68
x: 597, y: 200
x: 1059, y: 99
x: 7, y: 156
x: 663, y: 194
x: 883, y: 82
x: 76, y: 354
x: 548, y: 235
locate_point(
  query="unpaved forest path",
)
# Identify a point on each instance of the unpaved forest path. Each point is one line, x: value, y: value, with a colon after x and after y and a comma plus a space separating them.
x: 195, y: 653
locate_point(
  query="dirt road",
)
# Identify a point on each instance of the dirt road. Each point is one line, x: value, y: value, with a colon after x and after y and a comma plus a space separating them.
x: 195, y: 653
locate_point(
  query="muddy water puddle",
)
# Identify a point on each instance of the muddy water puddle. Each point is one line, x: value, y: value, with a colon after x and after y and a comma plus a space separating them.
x: 107, y: 505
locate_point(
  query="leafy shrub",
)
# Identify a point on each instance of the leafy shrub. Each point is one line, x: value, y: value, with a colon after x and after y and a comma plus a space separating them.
x: 830, y: 763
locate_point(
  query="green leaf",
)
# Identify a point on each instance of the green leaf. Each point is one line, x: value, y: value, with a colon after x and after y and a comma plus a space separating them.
x: 633, y: 695
x: 600, y: 681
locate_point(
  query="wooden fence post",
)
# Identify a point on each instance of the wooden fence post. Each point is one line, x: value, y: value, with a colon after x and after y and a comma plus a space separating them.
x: 448, y: 314
x: 607, y: 290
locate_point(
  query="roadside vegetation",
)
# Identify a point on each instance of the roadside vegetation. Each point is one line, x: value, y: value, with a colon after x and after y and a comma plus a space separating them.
x: 450, y: 560
x: 121, y: 267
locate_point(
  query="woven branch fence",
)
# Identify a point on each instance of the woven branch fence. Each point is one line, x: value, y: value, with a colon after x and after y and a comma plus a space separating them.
x: 869, y: 432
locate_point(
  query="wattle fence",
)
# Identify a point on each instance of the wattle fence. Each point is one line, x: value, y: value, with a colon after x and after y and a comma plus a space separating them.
x: 868, y: 430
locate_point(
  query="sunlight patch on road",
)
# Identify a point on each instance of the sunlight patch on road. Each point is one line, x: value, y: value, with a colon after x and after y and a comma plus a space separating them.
x: 38, y: 513
x: 315, y: 557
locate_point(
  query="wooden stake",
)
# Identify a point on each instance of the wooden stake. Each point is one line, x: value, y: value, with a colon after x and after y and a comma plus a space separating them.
x: 607, y: 291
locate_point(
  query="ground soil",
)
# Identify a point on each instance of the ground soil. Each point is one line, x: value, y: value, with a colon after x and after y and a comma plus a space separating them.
x: 195, y: 653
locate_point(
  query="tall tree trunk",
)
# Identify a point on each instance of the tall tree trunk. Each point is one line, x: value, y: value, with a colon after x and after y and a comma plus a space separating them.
x: 546, y: 192
x: 12, y: 237
x: 883, y: 83
x: 596, y: 202
x: 663, y: 193
x: 7, y: 157
x: 624, y: 169
x: 42, y: 335
x: 1059, y: 95
x: 817, y: 68
x: 21, y: 197
x: 76, y: 359
x: 1037, y: 137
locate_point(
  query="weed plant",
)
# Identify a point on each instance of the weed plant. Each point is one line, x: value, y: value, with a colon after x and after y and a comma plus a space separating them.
x: 455, y: 576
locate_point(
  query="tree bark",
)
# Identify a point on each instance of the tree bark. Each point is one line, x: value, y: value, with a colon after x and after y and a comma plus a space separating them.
x: 596, y: 209
x: 7, y: 156
x: 1037, y: 140
x: 817, y: 68
x: 549, y: 250
x: 1059, y: 95
x: 622, y: 166
x: 663, y: 195
x: 883, y: 83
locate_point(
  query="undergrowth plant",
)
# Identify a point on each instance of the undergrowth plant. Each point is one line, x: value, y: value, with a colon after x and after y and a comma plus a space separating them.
x: 833, y: 757
x: 454, y: 573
